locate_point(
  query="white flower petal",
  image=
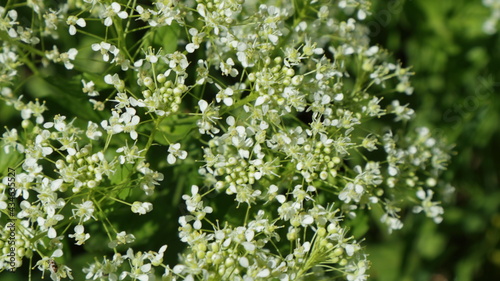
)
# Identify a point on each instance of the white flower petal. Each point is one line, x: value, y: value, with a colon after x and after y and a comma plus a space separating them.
x: 190, y: 48
x: 194, y: 189
x: 203, y: 105
x: 57, y: 253
x: 116, y: 7
x: 81, y: 22
x: 52, y: 233
x: 108, y: 21
x: 260, y: 100
x: 197, y: 224
x: 244, y: 262
x: 123, y: 15
x: 307, y: 220
x: 171, y: 159
x: 264, y: 273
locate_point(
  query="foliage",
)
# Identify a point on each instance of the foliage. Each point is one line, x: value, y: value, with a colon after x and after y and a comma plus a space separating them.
x: 455, y: 58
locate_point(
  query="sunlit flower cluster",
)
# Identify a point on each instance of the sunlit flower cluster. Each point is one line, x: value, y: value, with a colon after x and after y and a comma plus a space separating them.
x: 280, y: 110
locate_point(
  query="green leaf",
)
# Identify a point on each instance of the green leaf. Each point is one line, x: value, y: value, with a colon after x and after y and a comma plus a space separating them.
x: 360, y: 226
x: 174, y: 129
x: 121, y: 173
x: 66, y: 93
x: 165, y: 37
x: 430, y: 243
x: 386, y: 260
x: 8, y: 160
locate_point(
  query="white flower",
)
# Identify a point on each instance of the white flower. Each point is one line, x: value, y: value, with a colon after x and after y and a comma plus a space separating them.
x: 104, y: 48
x: 57, y: 271
x: 144, y: 14
x: 141, y: 208
x: 152, y: 56
x: 67, y: 57
x: 227, y: 68
x: 196, y: 40
x: 352, y: 191
x: 8, y: 24
x: 88, y: 88
x: 92, y: 131
x: 122, y: 238
x: 130, y: 122
x: 58, y: 123
x: 431, y: 209
x: 225, y: 95
x: 111, y: 11
x: 84, y: 211
x: 72, y: 21
x: 194, y: 205
x: 357, y: 271
x: 27, y: 35
x: 10, y: 139
x: 402, y: 112
x: 115, y: 81
x: 149, y: 179
x: 175, y: 152
x: 210, y: 114
x: 130, y: 154
x: 157, y: 258
x: 193, y: 201
x: 113, y: 125
x: 80, y: 235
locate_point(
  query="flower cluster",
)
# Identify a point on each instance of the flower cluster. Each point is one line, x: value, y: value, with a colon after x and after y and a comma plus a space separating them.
x: 283, y: 110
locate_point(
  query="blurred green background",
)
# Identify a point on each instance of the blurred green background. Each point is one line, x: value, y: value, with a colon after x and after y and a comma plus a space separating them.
x: 457, y: 85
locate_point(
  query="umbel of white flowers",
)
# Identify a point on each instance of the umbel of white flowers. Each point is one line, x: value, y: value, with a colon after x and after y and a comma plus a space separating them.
x: 273, y: 106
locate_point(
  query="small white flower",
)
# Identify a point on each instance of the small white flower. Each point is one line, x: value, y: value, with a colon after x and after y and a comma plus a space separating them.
x: 113, y: 125
x: 227, y: 68
x: 111, y: 11
x: 105, y: 49
x: 431, y: 209
x: 196, y: 40
x: 80, y: 235
x: 141, y: 208
x: 175, y: 152
x: 129, y: 154
x: 58, y: 123
x: 130, y: 122
x: 10, y: 139
x: 157, y: 258
x: 88, y: 88
x: 115, y: 81
x: 84, y: 211
x: 92, y: 131
x: 69, y: 56
x: 66, y: 57
x: 122, y: 238
x: 225, y: 95
x: 72, y: 21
